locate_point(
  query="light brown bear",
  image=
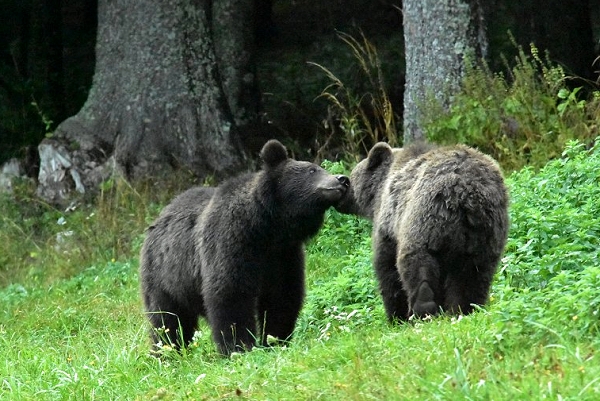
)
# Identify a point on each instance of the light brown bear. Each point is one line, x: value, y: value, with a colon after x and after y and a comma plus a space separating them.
x: 440, y: 223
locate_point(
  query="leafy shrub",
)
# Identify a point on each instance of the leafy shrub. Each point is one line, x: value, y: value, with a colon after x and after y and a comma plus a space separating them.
x: 342, y: 287
x: 523, y: 119
x: 567, y: 308
x: 548, y: 285
x: 555, y: 218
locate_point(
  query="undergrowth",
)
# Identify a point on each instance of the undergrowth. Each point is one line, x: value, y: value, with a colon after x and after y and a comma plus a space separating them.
x: 522, y: 117
x: 525, y: 117
x: 364, y: 115
x: 85, y: 336
x: 43, y: 242
x: 555, y: 218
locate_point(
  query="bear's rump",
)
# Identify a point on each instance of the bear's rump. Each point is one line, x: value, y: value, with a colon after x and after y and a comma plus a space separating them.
x: 450, y: 219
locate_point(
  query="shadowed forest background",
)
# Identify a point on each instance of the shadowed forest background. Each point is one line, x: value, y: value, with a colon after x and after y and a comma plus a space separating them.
x: 47, y: 61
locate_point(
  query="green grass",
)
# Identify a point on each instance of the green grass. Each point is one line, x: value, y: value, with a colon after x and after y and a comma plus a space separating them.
x: 84, y: 336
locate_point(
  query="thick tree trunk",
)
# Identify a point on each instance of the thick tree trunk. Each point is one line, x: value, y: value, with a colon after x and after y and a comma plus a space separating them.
x: 438, y: 34
x: 173, y: 84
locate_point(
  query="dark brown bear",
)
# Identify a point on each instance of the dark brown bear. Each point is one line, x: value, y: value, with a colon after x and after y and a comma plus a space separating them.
x: 440, y: 223
x: 235, y: 253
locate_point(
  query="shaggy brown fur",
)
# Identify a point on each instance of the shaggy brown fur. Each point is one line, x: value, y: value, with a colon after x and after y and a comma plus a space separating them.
x: 440, y: 223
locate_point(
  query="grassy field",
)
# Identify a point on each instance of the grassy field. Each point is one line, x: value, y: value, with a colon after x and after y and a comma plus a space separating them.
x: 80, y: 334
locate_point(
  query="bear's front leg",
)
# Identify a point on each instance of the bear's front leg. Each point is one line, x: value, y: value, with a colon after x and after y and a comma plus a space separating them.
x: 281, y: 302
x: 277, y: 318
x: 172, y: 324
x: 233, y: 323
x: 467, y: 287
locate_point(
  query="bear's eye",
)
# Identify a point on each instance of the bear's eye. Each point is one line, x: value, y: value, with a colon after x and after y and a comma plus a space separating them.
x: 312, y: 170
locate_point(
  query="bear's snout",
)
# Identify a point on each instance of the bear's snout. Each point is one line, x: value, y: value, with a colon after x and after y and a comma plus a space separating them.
x: 345, y: 181
x: 333, y: 187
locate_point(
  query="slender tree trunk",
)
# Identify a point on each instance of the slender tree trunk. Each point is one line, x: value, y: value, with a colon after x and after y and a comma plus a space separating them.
x: 438, y: 34
x: 173, y: 85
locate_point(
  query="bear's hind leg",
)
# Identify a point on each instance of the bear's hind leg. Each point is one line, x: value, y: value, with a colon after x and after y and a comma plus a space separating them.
x: 420, y: 273
x: 394, y: 297
x: 424, y: 303
x: 467, y: 289
x: 171, y: 324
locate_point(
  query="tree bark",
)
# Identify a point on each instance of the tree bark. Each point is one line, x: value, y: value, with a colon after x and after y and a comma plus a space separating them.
x: 173, y: 86
x: 438, y: 34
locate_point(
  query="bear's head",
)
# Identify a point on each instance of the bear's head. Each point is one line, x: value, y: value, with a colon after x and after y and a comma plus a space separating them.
x: 366, y: 182
x: 305, y: 188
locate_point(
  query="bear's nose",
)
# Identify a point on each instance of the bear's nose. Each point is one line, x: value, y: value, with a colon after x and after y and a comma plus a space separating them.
x: 345, y: 181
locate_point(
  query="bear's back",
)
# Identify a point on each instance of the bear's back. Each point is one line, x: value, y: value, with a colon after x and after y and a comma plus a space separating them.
x: 191, y: 201
x: 458, y: 176
x: 170, y: 242
x: 452, y: 174
x: 449, y: 197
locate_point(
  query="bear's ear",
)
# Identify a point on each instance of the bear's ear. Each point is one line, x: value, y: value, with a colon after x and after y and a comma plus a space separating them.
x: 378, y: 154
x: 273, y: 153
